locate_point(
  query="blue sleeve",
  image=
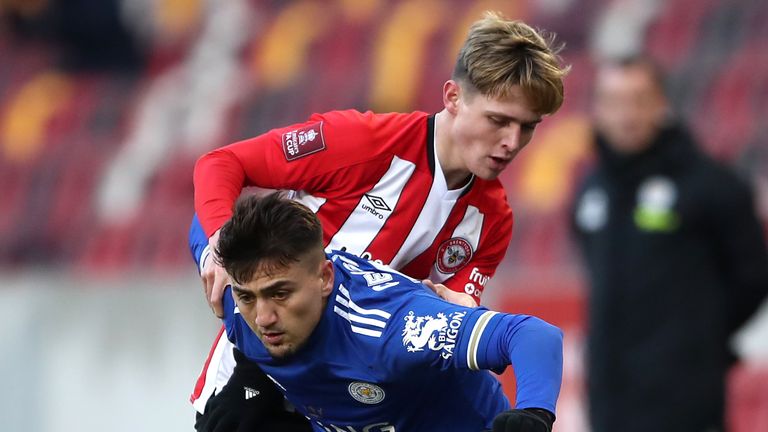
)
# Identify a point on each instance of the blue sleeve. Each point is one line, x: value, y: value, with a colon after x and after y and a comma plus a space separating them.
x: 532, y: 346
x: 198, y: 243
x: 450, y: 336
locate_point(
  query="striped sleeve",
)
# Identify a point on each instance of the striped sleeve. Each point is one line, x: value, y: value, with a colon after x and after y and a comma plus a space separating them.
x: 474, y: 339
x: 305, y: 156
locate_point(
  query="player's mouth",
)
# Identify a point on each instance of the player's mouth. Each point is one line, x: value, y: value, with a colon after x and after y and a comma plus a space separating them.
x: 499, y: 163
x: 273, y: 338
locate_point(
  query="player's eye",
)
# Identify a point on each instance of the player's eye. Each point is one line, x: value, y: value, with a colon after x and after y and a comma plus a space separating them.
x: 280, y: 295
x: 529, y: 127
x: 245, y: 298
x: 496, y: 121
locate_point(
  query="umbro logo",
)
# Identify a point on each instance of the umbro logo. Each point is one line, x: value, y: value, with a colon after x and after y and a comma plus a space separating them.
x: 376, y: 203
x: 249, y: 393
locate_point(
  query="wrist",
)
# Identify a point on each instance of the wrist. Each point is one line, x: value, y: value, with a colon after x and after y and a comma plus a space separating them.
x: 204, y: 257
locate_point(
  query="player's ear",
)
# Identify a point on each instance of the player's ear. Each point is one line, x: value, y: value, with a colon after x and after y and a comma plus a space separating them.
x: 326, y: 275
x: 451, y: 91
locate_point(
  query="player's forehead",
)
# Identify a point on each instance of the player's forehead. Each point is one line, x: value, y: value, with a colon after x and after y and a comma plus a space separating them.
x: 268, y: 275
x: 512, y: 103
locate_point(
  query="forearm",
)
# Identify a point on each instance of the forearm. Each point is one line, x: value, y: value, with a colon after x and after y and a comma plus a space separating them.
x: 219, y: 178
x: 534, y: 348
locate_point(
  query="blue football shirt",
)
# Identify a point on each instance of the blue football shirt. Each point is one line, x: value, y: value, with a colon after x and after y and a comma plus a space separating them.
x: 389, y: 355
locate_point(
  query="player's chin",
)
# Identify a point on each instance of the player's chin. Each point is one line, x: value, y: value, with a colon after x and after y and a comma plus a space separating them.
x: 281, y: 351
x: 488, y: 173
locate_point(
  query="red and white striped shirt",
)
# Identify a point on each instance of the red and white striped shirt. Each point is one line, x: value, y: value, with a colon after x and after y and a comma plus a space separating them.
x: 375, y: 183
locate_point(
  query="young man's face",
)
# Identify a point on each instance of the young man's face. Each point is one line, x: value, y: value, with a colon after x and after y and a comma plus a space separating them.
x: 284, y: 306
x: 489, y: 132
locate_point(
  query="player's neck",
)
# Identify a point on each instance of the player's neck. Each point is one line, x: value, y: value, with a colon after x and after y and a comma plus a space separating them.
x: 455, y: 172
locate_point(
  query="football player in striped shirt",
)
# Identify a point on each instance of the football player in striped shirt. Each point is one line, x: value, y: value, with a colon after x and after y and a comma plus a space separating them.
x: 357, y: 346
x: 416, y: 191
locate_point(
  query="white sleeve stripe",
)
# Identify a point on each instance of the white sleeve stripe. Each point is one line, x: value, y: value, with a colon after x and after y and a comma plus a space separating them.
x: 474, y: 338
x: 351, y: 304
x: 365, y: 331
x: 362, y: 320
x: 204, y: 257
x: 356, y: 329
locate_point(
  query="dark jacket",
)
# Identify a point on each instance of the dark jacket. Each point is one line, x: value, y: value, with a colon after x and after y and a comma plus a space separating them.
x: 677, y: 262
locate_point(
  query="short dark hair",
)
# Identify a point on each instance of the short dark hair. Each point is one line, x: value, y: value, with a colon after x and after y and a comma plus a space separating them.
x: 268, y: 232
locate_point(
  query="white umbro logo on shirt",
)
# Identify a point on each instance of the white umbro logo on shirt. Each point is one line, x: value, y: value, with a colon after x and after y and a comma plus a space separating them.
x: 249, y: 393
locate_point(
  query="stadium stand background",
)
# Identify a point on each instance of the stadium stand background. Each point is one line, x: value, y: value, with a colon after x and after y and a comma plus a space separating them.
x: 106, y: 104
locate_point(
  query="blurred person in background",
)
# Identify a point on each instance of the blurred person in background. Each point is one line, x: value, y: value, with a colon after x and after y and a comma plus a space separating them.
x: 415, y: 191
x: 676, y: 259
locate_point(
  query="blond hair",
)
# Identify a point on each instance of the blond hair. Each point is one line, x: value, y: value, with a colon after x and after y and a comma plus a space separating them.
x: 499, y: 54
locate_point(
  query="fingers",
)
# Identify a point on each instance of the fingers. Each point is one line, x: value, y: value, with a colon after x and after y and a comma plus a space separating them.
x: 429, y: 284
x: 217, y: 293
x: 208, y: 277
x: 460, y: 299
x: 449, y: 295
x: 215, y: 278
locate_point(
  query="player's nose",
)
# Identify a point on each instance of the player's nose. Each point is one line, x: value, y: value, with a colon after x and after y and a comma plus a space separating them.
x: 511, y: 139
x: 265, y: 315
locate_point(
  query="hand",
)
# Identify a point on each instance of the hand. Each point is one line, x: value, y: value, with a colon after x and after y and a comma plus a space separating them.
x: 450, y: 295
x: 249, y: 402
x: 524, y: 420
x: 215, y: 278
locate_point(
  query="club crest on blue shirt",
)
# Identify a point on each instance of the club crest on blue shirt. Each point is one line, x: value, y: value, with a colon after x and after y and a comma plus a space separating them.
x: 452, y: 255
x: 366, y: 393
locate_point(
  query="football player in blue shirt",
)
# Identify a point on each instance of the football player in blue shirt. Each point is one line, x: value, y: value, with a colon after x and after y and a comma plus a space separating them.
x: 356, y: 346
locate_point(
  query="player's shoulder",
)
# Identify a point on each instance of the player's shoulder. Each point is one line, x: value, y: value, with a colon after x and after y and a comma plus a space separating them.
x: 367, y: 300
x: 353, y: 116
x: 372, y: 283
x: 369, y: 277
x: 490, y: 197
x: 376, y: 132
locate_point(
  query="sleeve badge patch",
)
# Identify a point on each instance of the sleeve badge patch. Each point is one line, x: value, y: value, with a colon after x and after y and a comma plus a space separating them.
x: 303, y: 141
x: 452, y: 255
